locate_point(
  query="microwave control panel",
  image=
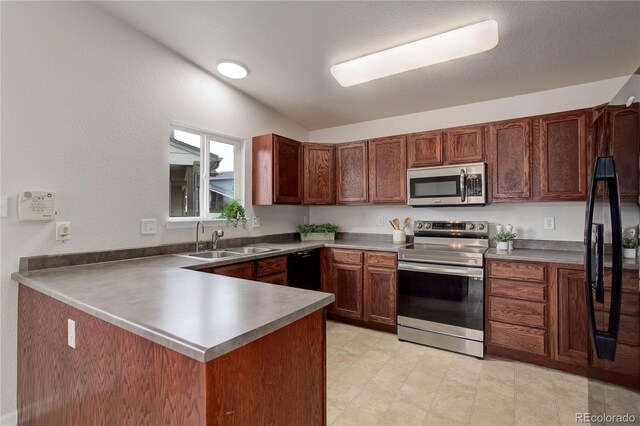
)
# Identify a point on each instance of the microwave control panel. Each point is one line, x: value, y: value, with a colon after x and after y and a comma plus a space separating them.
x: 474, y: 185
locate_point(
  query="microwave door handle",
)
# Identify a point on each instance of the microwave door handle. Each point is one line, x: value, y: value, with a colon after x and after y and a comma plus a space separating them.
x: 463, y: 189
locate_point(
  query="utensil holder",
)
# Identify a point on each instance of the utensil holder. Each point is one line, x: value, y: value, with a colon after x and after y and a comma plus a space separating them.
x: 399, y: 237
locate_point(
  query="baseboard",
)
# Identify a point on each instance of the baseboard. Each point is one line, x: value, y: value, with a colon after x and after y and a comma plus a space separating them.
x: 9, y: 419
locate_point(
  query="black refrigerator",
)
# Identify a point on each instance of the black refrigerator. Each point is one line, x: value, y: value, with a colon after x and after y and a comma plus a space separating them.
x: 611, y: 232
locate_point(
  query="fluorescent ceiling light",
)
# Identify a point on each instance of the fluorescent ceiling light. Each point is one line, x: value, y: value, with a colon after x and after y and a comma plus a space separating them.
x: 232, y: 69
x: 443, y: 47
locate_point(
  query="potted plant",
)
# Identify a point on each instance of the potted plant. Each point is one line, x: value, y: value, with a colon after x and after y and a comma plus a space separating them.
x: 314, y: 232
x: 629, y: 244
x: 234, y: 213
x: 502, y: 238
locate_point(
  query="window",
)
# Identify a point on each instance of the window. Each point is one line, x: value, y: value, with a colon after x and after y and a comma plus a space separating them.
x: 202, y: 160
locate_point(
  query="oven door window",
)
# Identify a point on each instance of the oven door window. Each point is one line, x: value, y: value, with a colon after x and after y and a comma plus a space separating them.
x: 445, y: 299
x: 435, y: 187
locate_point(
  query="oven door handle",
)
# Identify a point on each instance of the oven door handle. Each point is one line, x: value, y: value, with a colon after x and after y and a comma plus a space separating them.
x: 476, y: 273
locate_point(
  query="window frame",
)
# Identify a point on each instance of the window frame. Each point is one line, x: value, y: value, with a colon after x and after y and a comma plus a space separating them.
x: 206, y: 137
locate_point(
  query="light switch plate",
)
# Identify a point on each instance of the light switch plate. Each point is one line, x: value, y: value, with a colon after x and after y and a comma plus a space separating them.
x: 380, y: 220
x: 255, y: 222
x: 147, y: 226
x: 71, y: 333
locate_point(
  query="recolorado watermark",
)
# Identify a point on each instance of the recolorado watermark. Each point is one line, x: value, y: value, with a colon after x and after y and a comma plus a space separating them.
x: 605, y: 418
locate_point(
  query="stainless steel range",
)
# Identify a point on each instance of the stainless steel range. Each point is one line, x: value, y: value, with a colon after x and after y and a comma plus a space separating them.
x: 441, y: 286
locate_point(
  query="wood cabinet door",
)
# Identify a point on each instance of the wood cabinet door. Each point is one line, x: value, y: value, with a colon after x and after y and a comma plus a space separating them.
x: 572, y: 330
x: 380, y: 295
x: 424, y: 149
x: 624, y: 144
x: 465, y: 144
x: 388, y: 170
x: 246, y: 270
x: 348, y: 284
x: 287, y: 171
x: 510, y: 160
x: 319, y: 165
x: 562, y: 156
x: 352, y: 173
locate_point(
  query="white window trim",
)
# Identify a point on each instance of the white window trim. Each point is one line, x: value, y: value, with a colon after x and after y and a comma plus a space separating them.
x: 206, y: 217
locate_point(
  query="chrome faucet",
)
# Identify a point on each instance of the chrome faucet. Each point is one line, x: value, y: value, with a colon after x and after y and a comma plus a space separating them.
x: 197, y: 238
x: 215, y: 237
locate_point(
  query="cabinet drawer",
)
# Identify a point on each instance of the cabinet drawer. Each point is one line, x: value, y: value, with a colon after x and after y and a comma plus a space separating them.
x: 532, y: 314
x: 380, y: 259
x: 240, y: 270
x: 630, y: 303
x: 518, y: 290
x: 272, y: 265
x: 353, y: 257
x: 280, y: 279
x: 521, y: 271
x: 518, y: 337
x: 629, y: 280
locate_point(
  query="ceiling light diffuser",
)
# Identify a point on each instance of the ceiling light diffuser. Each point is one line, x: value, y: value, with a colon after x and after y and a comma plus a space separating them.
x: 232, y: 69
x: 443, y: 47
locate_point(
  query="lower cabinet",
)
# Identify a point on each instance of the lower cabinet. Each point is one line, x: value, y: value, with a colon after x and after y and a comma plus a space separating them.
x: 272, y: 270
x: 364, y: 284
x: 545, y: 323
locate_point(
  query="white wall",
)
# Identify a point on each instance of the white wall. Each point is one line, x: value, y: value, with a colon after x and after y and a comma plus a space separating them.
x: 86, y: 107
x: 527, y: 218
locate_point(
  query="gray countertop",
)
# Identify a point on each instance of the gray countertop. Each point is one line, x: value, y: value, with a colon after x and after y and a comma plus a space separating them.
x: 554, y: 256
x: 197, y: 314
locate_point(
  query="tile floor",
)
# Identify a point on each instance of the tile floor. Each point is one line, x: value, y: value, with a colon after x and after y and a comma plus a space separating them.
x: 374, y: 379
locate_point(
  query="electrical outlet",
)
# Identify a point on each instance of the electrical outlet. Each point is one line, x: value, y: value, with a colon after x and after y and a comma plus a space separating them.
x: 63, y: 231
x: 549, y: 223
x: 305, y: 220
x: 71, y: 333
x: 255, y: 222
x: 380, y: 220
x: 147, y: 226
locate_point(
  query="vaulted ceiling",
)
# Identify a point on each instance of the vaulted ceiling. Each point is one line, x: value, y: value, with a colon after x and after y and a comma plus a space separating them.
x: 290, y: 46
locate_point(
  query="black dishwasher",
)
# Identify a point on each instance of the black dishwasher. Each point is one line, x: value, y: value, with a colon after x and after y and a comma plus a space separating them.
x: 303, y: 269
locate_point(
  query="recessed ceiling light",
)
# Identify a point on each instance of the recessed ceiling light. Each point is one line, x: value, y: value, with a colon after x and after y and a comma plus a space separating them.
x: 232, y: 69
x: 443, y: 47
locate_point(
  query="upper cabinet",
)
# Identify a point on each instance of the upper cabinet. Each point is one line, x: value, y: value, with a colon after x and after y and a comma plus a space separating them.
x: 622, y: 125
x: 562, y: 156
x: 510, y: 160
x: 388, y: 170
x: 319, y: 165
x: 424, y: 149
x: 352, y: 173
x: 465, y: 144
x: 277, y: 170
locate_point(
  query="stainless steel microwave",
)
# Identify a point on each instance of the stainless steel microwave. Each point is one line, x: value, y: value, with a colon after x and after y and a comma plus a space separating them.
x: 455, y: 185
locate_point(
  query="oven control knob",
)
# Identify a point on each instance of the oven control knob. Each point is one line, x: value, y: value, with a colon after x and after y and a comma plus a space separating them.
x: 480, y: 226
x: 419, y: 225
x: 427, y: 225
x: 471, y: 226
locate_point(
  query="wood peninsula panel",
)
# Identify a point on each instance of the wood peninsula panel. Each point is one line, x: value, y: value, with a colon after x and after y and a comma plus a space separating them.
x: 424, y: 149
x: 465, y: 144
x: 116, y: 377
x: 562, y: 156
x: 388, y: 170
x: 319, y: 174
x: 510, y: 160
x: 352, y: 171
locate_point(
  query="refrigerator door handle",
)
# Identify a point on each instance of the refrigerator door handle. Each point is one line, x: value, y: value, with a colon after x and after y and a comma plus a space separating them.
x: 605, y: 342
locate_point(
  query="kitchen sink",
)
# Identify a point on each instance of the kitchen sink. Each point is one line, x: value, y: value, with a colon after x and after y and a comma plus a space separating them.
x: 250, y: 250
x: 218, y: 254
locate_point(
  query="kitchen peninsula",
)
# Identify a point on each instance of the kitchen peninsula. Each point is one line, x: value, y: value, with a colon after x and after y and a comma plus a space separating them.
x: 146, y: 341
